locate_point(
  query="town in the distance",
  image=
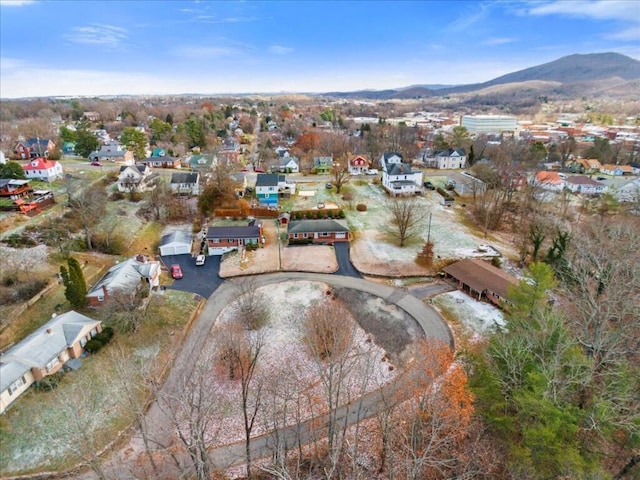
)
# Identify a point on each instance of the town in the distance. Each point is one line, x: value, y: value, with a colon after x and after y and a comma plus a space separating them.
x: 420, y: 283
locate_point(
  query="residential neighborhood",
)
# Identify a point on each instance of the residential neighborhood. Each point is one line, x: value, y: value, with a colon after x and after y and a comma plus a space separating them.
x: 453, y: 211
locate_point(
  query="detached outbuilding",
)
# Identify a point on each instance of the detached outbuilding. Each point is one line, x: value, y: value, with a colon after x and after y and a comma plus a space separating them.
x: 481, y: 279
x: 175, y: 243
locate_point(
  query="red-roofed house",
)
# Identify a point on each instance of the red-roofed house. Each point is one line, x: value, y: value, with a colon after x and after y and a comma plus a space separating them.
x: 359, y: 164
x: 43, y: 169
x: 550, y: 181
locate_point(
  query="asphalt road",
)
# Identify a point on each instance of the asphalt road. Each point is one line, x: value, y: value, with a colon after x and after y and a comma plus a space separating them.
x: 202, y: 280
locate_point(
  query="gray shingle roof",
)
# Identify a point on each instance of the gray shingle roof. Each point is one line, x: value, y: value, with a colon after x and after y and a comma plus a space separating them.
x: 313, y: 226
x: 184, y: 177
x: 233, y: 232
x: 124, y: 276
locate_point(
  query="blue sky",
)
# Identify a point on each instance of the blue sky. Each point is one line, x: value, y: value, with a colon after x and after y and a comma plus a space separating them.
x: 68, y: 48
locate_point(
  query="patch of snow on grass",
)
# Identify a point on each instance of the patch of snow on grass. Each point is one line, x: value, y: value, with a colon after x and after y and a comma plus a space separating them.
x: 479, y: 317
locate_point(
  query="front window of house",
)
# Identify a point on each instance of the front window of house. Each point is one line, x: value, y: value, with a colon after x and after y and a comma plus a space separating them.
x: 325, y: 234
x: 51, y: 365
x: 17, y: 384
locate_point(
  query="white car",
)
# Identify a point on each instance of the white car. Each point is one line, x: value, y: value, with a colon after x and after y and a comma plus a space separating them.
x: 200, y: 259
x: 372, y: 171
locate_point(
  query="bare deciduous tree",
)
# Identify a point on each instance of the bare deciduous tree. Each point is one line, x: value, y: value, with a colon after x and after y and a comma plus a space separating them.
x: 407, y: 216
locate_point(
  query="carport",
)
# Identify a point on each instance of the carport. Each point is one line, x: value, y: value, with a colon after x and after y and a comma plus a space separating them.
x: 175, y: 243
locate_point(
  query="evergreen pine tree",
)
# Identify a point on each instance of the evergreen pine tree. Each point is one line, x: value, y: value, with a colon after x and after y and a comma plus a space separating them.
x: 74, y: 282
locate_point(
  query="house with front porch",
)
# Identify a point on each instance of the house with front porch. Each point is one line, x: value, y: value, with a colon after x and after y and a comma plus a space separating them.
x: 185, y: 183
x: 270, y: 187
x: 323, y: 231
x: 136, y: 178
x: 43, y: 353
x: 288, y: 165
x: 221, y: 240
x: 43, y: 169
x: 359, y: 164
x: 322, y: 165
x: 161, y: 162
x: 398, y: 178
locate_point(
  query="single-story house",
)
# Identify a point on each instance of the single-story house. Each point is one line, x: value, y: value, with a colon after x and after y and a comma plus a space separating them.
x: 549, y: 181
x: 616, y: 170
x: 43, y: 169
x: 206, y: 161
x: 585, y: 185
x: 185, y: 183
x: 43, y: 353
x: 112, y: 152
x: 629, y: 192
x: 161, y: 162
x: 465, y: 184
x: 325, y: 231
x: 480, y: 279
x: 176, y: 243
x: 587, y: 165
x: 221, y: 240
x: 125, y: 277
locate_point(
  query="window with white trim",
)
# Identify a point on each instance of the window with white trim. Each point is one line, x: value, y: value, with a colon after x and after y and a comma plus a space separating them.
x: 17, y: 384
x: 51, y: 365
x: 325, y: 234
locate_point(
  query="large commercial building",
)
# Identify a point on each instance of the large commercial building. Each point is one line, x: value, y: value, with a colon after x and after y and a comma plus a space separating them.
x: 489, y: 123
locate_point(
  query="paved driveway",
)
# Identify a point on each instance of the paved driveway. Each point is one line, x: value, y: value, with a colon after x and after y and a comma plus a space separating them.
x: 345, y: 267
x: 203, y: 280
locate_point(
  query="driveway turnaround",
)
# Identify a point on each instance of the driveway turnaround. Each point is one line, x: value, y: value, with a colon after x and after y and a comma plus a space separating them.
x: 428, y: 319
x: 200, y: 279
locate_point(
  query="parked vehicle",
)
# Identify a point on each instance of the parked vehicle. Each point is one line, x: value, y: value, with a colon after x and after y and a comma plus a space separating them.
x: 429, y: 185
x: 176, y: 271
x: 328, y: 186
x: 96, y: 163
x: 200, y: 259
x: 601, y: 178
x: 372, y: 171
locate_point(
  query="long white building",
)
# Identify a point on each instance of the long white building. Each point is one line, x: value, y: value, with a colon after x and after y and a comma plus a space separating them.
x: 489, y: 123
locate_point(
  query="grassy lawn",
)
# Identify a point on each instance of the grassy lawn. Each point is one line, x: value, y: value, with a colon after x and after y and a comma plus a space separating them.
x: 35, y: 434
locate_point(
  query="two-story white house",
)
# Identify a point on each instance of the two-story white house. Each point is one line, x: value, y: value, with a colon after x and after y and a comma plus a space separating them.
x: 452, y: 158
x: 136, y: 178
x: 397, y: 177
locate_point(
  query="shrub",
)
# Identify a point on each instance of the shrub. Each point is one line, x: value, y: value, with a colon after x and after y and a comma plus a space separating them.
x: 49, y: 382
x: 30, y: 288
x: 496, y: 262
x: 361, y: 207
x: 19, y: 241
x: 341, y: 214
x: 93, y: 345
x: 117, y: 195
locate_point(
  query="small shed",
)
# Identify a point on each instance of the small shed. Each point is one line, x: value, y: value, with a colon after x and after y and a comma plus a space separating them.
x: 175, y: 243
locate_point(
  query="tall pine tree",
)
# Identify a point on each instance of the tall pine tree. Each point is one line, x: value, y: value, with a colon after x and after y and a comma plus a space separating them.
x: 74, y: 282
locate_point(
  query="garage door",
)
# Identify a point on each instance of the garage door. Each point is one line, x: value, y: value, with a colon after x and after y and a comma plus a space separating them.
x: 175, y: 249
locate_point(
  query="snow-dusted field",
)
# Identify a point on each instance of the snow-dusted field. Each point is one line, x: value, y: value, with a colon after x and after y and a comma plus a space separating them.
x: 478, y: 318
x: 293, y: 386
x: 378, y: 253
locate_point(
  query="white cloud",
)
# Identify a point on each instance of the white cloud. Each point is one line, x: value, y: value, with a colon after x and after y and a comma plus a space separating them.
x: 15, y: 3
x: 626, y: 34
x: 465, y: 20
x: 498, y: 41
x: 107, y: 35
x: 204, y: 52
x: 280, y: 50
x: 625, y: 10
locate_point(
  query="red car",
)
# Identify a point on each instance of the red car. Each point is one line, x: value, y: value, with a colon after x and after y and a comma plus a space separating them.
x: 96, y: 164
x: 258, y: 170
x: 176, y: 271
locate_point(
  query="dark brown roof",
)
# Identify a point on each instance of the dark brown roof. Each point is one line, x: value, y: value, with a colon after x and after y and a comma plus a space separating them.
x: 233, y: 232
x: 481, y: 276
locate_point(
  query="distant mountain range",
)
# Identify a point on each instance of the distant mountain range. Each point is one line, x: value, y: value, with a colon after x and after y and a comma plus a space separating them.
x: 571, y: 75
